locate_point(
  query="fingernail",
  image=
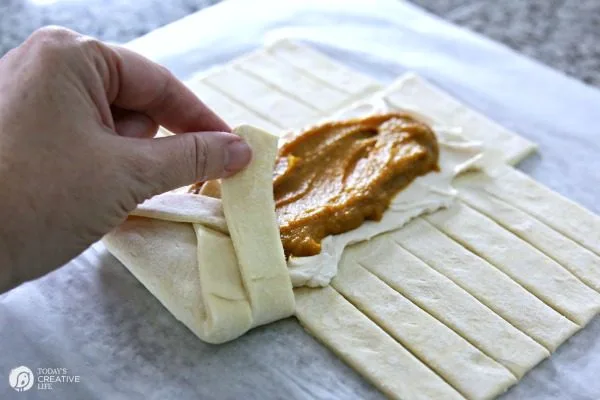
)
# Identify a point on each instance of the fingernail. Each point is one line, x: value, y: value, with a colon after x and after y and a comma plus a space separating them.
x: 238, y: 155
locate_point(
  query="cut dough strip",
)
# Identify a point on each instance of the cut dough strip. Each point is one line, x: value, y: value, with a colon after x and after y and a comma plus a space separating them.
x: 250, y: 213
x: 412, y: 90
x: 233, y: 112
x: 229, y: 109
x: 304, y: 88
x: 450, y: 304
x: 539, y: 274
x: 577, y: 259
x: 367, y: 348
x: 228, y: 313
x: 257, y: 96
x: 329, y: 72
x: 485, y: 282
x: 184, y: 207
x: 471, y: 372
x: 558, y: 212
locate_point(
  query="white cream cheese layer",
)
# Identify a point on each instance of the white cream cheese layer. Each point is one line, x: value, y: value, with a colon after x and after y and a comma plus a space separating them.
x: 425, y: 194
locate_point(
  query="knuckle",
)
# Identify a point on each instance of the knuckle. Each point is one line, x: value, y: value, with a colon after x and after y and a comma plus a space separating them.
x: 53, y: 45
x: 166, y: 71
x: 49, y: 44
x: 51, y: 39
x: 90, y: 45
x: 200, y: 157
x: 52, y: 33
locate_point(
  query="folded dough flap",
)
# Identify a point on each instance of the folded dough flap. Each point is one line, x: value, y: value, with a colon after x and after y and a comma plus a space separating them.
x: 249, y: 209
x: 185, y: 207
x: 219, y: 285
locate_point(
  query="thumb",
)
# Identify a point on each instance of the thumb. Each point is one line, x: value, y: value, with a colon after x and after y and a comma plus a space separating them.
x: 179, y: 160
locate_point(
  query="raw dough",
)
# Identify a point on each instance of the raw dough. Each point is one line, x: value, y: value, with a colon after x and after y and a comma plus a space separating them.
x: 450, y: 304
x: 208, y: 297
x: 228, y: 312
x: 250, y: 213
x: 556, y: 211
x: 184, y: 207
x: 260, y: 98
x: 367, y: 348
x: 539, y: 274
x: 451, y: 294
x: 460, y: 363
x: 195, y: 271
x: 303, y: 88
x: 485, y: 282
x: 414, y: 92
x: 234, y: 113
x: 328, y: 72
x: 580, y: 261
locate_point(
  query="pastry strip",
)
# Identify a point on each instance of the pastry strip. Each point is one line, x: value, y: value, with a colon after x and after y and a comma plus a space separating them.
x: 228, y: 312
x: 450, y: 304
x: 531, y: 268
x: 580, y: 261
x: 467, y: 369
x: 231, y: 111
x: 487, y: 283
x: 184, y: 207
x: 249, y: 209
x: 257, y: 96
x: 556, y: 211
x: 304, y: 88
x: 413, y: 91
x: 367, y: 348
x: 329, y: 72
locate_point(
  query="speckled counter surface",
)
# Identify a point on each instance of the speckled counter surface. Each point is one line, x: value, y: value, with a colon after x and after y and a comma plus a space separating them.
x: 111, y: 20
x: 564, y: 34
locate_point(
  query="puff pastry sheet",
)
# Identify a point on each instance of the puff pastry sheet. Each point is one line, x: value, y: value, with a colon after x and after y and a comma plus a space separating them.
x: 457, y: 304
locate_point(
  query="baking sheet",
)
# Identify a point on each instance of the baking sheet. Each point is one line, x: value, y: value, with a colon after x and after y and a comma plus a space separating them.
x: 93, y: 318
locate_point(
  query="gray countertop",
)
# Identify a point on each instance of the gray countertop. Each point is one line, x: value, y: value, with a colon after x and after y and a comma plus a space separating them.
x: 80, y: 316
x: 564, y: 34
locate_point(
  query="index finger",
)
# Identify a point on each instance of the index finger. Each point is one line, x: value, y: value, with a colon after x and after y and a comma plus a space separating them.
x: 138, y: 84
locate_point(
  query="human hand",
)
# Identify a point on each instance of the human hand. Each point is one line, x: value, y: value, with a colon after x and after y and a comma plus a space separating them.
x: 77, y: 119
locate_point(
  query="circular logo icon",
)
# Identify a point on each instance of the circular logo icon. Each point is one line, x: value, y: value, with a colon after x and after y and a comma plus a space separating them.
x: 21, y: 378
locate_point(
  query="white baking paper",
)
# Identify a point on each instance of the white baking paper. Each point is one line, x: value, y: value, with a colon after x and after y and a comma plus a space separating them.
x: 97, y: 321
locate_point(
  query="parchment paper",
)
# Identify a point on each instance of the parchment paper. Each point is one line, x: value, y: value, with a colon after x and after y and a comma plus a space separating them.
x: 93, y: 318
